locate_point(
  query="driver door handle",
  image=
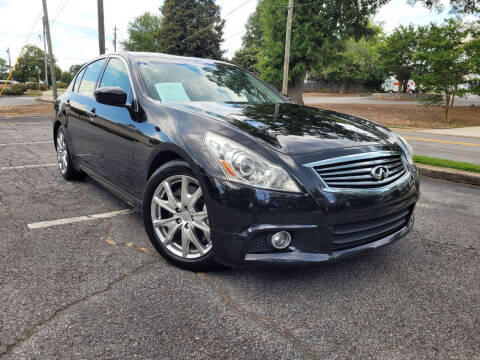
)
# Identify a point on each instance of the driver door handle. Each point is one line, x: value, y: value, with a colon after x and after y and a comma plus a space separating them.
x: 92, y: 115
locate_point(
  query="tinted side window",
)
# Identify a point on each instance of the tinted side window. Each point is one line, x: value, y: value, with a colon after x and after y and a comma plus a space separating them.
x: 77, y: 80
x: 87, y: 86
x: 116, y: 74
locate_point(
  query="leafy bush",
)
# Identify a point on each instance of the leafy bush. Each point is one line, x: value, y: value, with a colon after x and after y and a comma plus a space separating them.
x: 17, y: 89
x: 62, y: 85
x: 34, y: 86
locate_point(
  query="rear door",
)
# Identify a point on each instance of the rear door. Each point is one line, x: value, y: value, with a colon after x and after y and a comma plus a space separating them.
x: 82, y: 114
x: 115, y: 128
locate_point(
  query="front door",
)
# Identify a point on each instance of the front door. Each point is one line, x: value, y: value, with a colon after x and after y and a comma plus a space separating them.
x: 114, y: 130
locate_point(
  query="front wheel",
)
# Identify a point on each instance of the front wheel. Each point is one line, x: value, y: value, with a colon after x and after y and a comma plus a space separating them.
x: 176, y: 217
x: 64, y: 158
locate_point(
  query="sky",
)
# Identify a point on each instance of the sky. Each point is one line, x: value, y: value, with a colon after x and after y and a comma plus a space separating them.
x: 74, y: 23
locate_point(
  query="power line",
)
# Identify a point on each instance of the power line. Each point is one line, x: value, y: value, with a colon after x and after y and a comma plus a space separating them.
x: 12, y: 69
x: 59, y: 11
x: 299, y: 5
x: 208, y: 47
x: 206, y: 27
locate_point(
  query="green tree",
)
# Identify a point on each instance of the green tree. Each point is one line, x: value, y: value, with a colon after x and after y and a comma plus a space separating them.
x: 66, y: 77
x: 247, y: 56
x: 457, y: 6
x: 191, y: 28
x: 447, y: 54
x: 141, y: 33
x: 74, y: 69
x: 30, y: 63
x: 396, y: 54
x: 4, y: 70
x: 354, y: 61
x: 316, y: 27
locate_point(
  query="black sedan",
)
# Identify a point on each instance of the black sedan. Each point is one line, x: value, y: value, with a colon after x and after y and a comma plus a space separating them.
x: 227, y: 170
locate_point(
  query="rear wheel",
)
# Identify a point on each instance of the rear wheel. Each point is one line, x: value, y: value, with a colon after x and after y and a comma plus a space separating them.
x: 176, y: 217
x: 64, y: 159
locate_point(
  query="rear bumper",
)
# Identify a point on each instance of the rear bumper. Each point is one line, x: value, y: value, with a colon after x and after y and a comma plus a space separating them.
x: 242, y: 220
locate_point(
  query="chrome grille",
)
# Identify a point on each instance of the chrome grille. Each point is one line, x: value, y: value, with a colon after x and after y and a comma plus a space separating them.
x: 361, y: 171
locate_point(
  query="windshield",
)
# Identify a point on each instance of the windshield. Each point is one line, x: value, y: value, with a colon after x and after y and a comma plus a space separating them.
x: 193, y: 81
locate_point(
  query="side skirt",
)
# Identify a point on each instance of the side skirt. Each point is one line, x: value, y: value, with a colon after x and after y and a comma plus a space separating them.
x: 132, y: 201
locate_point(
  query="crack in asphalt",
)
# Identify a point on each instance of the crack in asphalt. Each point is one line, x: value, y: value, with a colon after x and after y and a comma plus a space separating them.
x: 33, y: 328
x: 258, y: 318
x: 220, y: 291
x: 456, y: 246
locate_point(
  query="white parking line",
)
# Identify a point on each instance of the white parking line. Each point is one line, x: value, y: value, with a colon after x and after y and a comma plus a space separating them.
x: 44, y: 224
x: 26, y: 166
x: 28, y: 143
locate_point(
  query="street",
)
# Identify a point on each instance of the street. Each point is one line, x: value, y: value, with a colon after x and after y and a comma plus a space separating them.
x: 458, y: 148
x: 16, y: 100
x: 75, y: 285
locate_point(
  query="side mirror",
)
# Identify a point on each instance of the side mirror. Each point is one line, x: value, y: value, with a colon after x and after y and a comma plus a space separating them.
x: 111, y: 96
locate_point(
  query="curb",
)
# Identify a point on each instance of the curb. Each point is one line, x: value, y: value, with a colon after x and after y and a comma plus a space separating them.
x: 466, y: 177
x: 45, y: 101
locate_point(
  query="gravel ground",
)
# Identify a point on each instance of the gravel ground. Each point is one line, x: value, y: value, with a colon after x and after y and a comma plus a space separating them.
x: 97, y: 289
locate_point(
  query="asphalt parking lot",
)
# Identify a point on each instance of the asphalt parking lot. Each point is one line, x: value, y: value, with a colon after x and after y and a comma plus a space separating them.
x: 94, y: 287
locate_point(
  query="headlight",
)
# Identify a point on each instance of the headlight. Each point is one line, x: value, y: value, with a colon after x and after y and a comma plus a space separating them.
x: 408, y: 150
x: 245, y: 166
x: 406, y: 146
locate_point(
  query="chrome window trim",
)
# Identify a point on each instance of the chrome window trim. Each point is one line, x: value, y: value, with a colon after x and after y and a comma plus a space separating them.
x: 128, y: 71
x: 105, y: 58
x: 361, y: 156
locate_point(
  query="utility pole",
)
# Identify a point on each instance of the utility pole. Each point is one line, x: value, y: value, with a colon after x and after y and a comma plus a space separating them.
x: 9, y: 60
x: 101, y: 27
x: 45, y: 56
x: 50, y: 52
x: 288, y: 35
x: 115, y: 38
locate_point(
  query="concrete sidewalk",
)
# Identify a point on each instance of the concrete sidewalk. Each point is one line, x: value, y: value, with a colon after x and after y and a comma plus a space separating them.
x: 471, y: 132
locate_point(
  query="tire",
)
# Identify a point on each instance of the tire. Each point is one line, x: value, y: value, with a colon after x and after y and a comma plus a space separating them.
x: 174, y: 201
x: 64, y: 158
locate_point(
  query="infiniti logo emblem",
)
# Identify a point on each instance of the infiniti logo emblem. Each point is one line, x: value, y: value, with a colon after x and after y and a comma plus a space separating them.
x: 380, y: 172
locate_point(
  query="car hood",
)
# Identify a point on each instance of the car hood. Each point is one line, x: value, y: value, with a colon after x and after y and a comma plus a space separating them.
x: 295, y: 129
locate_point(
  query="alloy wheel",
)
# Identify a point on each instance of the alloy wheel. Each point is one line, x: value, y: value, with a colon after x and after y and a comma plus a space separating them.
x: 180, y: 218
x: 62, y: 152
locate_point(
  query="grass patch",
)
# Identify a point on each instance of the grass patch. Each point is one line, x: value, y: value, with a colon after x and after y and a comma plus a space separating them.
x: 459, y: 165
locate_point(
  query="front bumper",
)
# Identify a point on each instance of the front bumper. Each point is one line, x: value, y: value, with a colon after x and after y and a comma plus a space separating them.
x: 306, y: 258
x: 242, y: 219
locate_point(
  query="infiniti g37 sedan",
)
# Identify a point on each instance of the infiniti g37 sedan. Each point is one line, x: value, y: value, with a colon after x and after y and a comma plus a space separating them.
x: 226, y: 170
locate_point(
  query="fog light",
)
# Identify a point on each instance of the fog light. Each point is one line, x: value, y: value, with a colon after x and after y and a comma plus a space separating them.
x: 281, y: 239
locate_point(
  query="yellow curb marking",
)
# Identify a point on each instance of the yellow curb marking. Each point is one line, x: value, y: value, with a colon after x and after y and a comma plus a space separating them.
x: 441, y: 141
